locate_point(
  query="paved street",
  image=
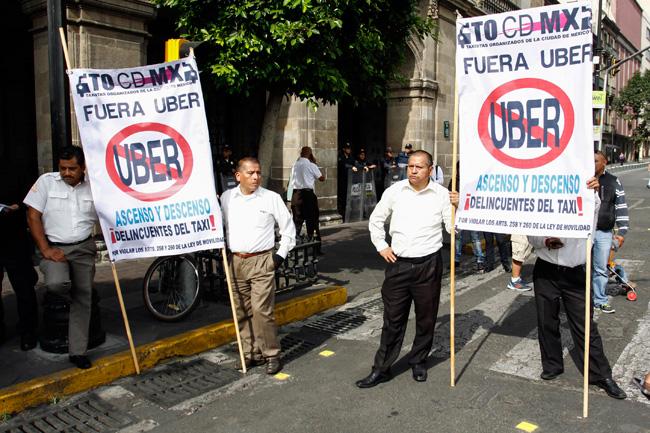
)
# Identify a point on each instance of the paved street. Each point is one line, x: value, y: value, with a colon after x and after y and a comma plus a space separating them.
x: 497, y: 364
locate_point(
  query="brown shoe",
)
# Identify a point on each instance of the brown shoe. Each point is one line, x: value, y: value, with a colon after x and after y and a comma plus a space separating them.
x: 250, y: 363
x: 273, y: 365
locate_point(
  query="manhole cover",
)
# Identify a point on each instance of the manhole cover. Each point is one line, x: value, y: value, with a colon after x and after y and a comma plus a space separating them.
x: 181, y: 381
x: 89, y: 414
x: 337, y: 323
x: 293, y: 347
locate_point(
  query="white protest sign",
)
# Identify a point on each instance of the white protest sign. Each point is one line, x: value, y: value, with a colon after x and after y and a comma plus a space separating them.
x: 525, y: 121
x: 145, y: 138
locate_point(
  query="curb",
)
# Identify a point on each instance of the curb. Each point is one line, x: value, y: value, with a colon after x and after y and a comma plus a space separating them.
x: 110, y: 368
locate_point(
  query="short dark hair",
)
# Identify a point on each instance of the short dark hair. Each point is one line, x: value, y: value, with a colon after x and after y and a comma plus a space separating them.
x: 306, y: 152
x: 69, y: 152
x: 246, y: 159
x: 422, y: 152
x: 598, y: 152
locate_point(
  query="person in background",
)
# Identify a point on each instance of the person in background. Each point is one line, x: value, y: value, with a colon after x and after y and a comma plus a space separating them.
x: 643, y: 383
x: 438, y: 175
x: 362, y: 162
x: 403, y: 157
x: 225, y: 167
x: 621, y: 157
x: 475, y: 236
x: 61, y: 217
x: 16, y: 250
x: 505, y: 254
x: 345, y: 162
x: 521, y: 249
x: 386, y: 164
x: 304, y: 204
x: 613, y: 212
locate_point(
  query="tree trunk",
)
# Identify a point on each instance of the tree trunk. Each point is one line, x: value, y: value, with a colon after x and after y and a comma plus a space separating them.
x: 267, y: 138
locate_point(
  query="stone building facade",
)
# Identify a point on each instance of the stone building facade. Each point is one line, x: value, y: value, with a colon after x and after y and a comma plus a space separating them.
x: 118, y: 33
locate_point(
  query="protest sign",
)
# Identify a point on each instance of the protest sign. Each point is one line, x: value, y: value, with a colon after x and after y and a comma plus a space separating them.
x: 145, y: 138
x: 525, y: 121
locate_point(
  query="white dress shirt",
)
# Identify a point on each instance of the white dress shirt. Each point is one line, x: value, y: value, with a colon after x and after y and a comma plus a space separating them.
x: 416, y: 219
x: 438, y: 176
x: 305, y: 174
x: 573, y: 253
x: 68, y: 211
x: 250, y: 221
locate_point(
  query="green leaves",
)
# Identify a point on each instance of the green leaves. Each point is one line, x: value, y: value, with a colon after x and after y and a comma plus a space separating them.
x: 314, y: 49
x: 633, y: 103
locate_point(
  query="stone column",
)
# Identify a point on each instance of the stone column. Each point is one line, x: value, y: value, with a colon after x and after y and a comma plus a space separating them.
x: 411, y: 106
x: 299, y: 125
x: 101, y: 34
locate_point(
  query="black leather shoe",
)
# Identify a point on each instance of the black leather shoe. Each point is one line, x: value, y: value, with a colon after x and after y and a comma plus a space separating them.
x: 27, y: 341
x: 373, y: 379
x: 419, y: 373
x: 273, y: 365
x: 611, y: 388
x: 81, y: 361
x: 550, y: 375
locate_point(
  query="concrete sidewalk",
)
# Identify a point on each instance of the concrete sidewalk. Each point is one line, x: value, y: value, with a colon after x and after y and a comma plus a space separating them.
x: 350, y: 261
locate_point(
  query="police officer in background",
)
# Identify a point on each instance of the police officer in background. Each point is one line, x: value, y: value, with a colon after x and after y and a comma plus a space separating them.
x: 345, y: 162
x: 61, y: 217
x: 250, y: 213
x: 225, y: 167
x: 304, y: 203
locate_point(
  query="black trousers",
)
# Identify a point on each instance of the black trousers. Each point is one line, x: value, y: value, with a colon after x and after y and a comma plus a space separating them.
x: 406, y: 281
x: 304, y: 207
x: 505, y: 249
x: 22, y: 277
x: 552, y: 283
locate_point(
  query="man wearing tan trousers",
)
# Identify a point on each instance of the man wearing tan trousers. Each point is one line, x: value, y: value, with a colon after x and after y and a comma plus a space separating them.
x: 250, y: 213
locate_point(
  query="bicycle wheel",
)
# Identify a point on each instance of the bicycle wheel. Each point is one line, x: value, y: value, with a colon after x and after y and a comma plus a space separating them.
x: 171, y: 288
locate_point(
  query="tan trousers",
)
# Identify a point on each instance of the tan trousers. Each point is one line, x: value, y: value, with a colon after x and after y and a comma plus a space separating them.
x: 73, y: 280
x: 254, y: 293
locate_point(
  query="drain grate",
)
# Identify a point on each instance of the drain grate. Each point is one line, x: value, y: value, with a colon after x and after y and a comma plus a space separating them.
x: 375, y: 306
x: 294, y: 347
x: 337, y: 323
x: 90, y: 414
x: 181, y: 381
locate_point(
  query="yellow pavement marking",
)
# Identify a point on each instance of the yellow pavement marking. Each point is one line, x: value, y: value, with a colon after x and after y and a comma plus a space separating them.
x: 526, y: 426
x: 105, y: 370
x: 326, y: 353
x: 282, y: 376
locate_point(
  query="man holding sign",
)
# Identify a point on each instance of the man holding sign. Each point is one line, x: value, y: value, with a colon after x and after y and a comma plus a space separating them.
x: 560, y: 274
x: 250, y: 213
x: 417, y: 208
x: 61, y: 217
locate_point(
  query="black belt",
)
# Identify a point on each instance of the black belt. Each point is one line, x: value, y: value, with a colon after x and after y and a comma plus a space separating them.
x: 561, y: 268
x: 61, y: 244
x: 304, y: 189
x: 418, y: 260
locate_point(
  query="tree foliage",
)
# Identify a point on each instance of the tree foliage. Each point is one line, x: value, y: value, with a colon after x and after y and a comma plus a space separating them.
x: 314, y: 49
x: 633, y: 103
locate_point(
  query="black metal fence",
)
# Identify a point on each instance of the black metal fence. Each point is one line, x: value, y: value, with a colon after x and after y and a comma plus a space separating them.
x: 299, y: 270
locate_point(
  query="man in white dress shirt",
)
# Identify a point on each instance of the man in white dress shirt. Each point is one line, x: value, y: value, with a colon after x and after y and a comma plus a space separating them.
x: 417, y: 207
x: 250, y: 213
x: 559, y: 273
x: 304, y: 204
x: 61, y: 216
